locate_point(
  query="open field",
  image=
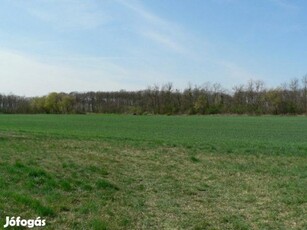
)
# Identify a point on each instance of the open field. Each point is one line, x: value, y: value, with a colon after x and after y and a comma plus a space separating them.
x: 154, y: 172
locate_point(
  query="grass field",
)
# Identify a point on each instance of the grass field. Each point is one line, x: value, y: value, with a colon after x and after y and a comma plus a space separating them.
x: 154, y: 172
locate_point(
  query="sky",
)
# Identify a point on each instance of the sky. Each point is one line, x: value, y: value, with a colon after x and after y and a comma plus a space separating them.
x: 109, y: 45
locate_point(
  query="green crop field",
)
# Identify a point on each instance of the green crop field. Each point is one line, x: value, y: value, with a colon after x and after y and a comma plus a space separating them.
x: 154, y: 172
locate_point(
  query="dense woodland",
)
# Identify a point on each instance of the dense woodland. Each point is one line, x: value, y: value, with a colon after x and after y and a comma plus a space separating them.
x: 251, y: 98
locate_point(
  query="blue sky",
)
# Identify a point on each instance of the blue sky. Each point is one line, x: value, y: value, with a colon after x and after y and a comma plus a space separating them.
x: 106, y: 45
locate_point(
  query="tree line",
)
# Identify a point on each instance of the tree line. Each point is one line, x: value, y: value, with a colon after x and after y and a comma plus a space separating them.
x: 251, y: 98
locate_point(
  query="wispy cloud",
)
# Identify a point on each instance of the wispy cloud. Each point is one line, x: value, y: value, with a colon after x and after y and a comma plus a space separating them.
x: 225, y: 1
x: 157, y: 29
x: 67, y: 14
x: 26, y: 74
x: 164, y: 40
x: 138, y: 8
x: 129, y: 46
x: 236, y: 73
x: 285, y: 4
x: 29, y: 75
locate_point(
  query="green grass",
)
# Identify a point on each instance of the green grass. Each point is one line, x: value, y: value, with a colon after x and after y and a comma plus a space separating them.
x: 154, y: 172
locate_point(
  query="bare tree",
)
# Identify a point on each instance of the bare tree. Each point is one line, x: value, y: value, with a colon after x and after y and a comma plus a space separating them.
x: 304, y: 82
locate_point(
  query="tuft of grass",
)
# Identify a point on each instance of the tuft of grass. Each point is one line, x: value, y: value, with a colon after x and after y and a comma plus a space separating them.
x: 235, y: 222
x: 194, y: 159
x: 34, y: 204
x: 97, y: 224
x: 104, y: 184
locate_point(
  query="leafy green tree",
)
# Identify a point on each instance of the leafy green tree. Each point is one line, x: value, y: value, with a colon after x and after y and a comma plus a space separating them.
x: 200, y: 104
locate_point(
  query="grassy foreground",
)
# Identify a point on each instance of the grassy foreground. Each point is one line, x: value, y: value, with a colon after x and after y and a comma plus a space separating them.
x: 154, y: 172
